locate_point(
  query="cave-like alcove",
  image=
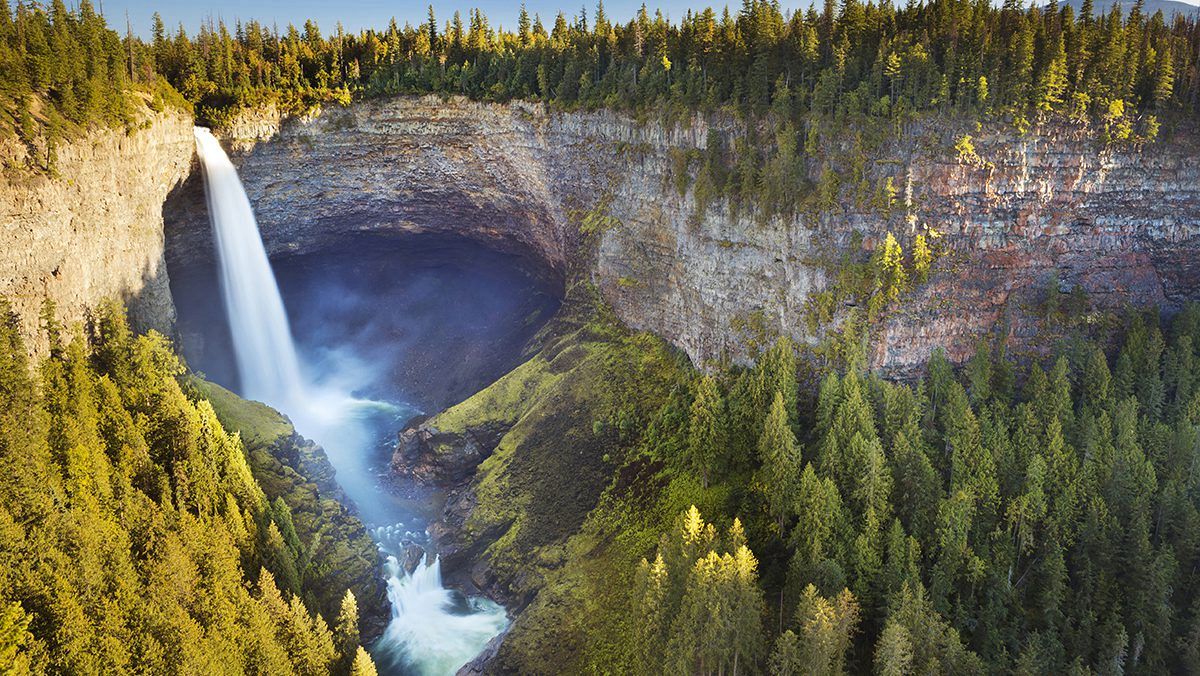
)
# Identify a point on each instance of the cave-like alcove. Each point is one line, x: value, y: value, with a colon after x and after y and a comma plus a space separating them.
x: 438, y: 316
x: 434, y: 288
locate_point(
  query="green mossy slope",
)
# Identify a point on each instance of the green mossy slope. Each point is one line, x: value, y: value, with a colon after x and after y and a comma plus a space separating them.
x: 576, y: 410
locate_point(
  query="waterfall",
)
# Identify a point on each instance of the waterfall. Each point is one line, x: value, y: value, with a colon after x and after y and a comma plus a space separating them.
x: 266, y: 356
x: 433, y: 630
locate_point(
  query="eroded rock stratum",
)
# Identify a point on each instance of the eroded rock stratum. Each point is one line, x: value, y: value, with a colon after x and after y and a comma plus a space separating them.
x: 94, y: 231
x: 1120, y: 224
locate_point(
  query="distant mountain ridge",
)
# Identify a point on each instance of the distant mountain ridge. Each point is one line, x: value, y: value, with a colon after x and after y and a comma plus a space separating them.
x: 1169, y: 7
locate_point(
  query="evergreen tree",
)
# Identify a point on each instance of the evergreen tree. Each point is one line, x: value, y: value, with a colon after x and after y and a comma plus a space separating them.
x: 706, y: 434
x: 826, y: 630
x: 126, y: 513
x: 362, y: 665
x: 345, y: 632
x: 780, y: 462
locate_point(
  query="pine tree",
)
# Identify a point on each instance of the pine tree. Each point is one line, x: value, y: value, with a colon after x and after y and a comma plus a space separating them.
x: 776, y: 373
x: 345, y: 632
x: 523, y: 27
x: 816, y: 535
x: 431, y: 30
x: 826, y: 628
x: 1062, y: 484
x: 699, y: 643
x: 746, y: 609
x: 1096, y: 387
x: 706, y: 433
x: 780, y: 462
x: 136, y: 512
x: 979, y: 374
x: 786, y: 658
x: 917, y: 488
x: 894, y: 651
x: 1052, y: 80
x: 919, y: 637
x: 650, y: 597
x: 893, y: 279
x: 362, y: 665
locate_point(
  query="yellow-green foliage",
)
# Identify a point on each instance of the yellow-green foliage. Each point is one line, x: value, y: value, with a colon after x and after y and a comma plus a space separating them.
x: 331, y: 551
x: 597, y: 219
x: 879, y: 282
x: 922, y: 259
x: 257, y: 423
x: 892, y: 278
x: 133, y: 536
x: 504, y: 400
x: 756, y: 332
x: 964, y: 149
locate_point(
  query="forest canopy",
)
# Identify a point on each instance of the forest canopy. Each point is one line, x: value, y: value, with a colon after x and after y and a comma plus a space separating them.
x: 134, y: 537
x: 848, y: 59
x: 995, y: 519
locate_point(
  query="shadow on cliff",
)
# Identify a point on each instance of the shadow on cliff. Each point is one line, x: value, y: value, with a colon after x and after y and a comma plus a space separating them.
x: 431, y: 319
x: 151, y: 306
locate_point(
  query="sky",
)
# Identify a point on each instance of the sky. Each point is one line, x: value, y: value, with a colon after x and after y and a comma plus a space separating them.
x: 358, y: 14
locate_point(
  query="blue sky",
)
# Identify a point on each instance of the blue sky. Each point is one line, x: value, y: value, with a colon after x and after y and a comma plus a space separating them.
x: 358, y: 14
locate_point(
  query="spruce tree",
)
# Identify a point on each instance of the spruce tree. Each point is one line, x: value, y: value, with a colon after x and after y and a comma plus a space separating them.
x: 362, y: 665
x: 345, y: 632
x: 780, y: 462
x: 706, y: 434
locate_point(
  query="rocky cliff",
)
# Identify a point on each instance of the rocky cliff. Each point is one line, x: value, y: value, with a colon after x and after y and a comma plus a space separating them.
x: 1121, y: 225
x: 94, y: 231
x: 402, y: 166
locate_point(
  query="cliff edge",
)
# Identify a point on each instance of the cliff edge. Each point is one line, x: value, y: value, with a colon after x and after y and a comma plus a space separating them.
x: 94, y: 230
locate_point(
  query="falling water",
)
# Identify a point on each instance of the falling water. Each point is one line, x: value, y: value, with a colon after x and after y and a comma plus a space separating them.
x: 433, y: 630
x: 266, y: 355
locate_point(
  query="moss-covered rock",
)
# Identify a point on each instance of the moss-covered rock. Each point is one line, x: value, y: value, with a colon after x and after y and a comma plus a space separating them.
x: 447, y: 448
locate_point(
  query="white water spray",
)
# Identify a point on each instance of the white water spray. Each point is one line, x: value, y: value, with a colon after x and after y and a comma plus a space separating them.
x: 432, y: 630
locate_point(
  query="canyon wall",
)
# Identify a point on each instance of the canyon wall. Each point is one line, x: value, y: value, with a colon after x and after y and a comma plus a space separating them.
x: 402, y: 166
x: 1122, y: 225
x: 95, y: 230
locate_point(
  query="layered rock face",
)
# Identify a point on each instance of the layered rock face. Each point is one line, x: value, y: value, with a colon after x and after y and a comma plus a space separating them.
x: 1122, y: 225
x: 96, y: 230
x: 402, y: 167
